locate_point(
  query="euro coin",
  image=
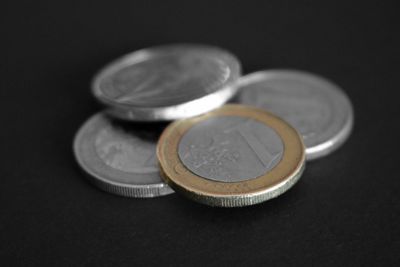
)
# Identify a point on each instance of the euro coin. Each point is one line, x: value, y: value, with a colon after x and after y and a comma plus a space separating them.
x: 167, y: 82
x: 233, y: 156
x: 118, y: 158
x: 316, y: 107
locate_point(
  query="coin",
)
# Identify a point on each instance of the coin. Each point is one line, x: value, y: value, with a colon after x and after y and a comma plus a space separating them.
x: 120, y: 158
x: 167, y: 82
x: 232, y: 156
x: 316, y: 107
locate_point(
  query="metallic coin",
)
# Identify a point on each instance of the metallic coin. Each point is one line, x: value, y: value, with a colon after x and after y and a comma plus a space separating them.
x: 120, y: 158
x: 213, y: 148
x: 167, y: 82
x: 317, y: 108
x: 232, y: 156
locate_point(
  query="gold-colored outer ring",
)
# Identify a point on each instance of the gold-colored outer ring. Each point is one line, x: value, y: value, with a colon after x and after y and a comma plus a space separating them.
x: 273, y: 183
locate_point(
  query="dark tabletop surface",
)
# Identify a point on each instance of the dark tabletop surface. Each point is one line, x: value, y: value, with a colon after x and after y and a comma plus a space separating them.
x: 345, y: 211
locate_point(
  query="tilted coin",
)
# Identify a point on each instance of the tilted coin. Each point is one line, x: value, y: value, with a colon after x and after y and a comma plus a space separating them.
x: 119, y: 158
x: 232, y: 156
x: 317, y: 108
x: 167, y: 82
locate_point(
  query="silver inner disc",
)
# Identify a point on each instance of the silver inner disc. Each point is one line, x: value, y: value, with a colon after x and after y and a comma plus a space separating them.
x: 230, y: 149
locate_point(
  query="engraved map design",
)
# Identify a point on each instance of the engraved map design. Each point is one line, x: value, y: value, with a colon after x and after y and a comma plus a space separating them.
x: 230, y: 149
x: 167, y: 80
x: 306, y: 107
x: 126, y: 151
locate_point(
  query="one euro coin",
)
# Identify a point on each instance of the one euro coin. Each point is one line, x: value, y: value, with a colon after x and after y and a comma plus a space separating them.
x: 233, y: 156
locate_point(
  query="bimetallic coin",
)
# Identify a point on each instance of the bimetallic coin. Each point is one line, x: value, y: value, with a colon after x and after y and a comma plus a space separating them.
x: 120, y: 159
x: 317, y: 108
x: 232, y: 156
x: 167, y: 82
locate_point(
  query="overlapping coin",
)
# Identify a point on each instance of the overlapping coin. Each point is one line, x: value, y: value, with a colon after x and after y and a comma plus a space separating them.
x: 167, y: 82
x: 316, y: 107
x: 230, y: 157
x: 120, y: 158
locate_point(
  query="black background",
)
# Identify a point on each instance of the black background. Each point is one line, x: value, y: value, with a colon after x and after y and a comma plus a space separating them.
x: 344, y: 212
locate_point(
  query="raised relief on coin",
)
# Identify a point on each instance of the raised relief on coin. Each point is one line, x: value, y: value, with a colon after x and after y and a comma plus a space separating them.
x: 167, y: 80
x: 230, y: 149
x: 126, y: 152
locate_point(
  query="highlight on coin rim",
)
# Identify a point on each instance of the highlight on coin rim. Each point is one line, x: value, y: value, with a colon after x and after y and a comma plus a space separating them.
x: 214, y: 193
x: 187, y: 109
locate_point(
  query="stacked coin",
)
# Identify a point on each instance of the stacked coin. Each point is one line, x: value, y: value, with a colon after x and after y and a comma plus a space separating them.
x: 218, y: 154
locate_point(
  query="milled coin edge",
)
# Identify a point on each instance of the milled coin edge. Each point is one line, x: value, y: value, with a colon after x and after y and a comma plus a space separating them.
x: 237, y: 201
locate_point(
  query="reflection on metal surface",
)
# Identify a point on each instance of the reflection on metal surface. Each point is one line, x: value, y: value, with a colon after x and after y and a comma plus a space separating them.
x: 167, y: 82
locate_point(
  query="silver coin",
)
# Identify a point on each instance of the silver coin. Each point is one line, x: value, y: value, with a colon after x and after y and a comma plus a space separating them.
x: 120, y: 159
x: 317, y: 108
x: 167, y: 82
x: 230, y: 149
